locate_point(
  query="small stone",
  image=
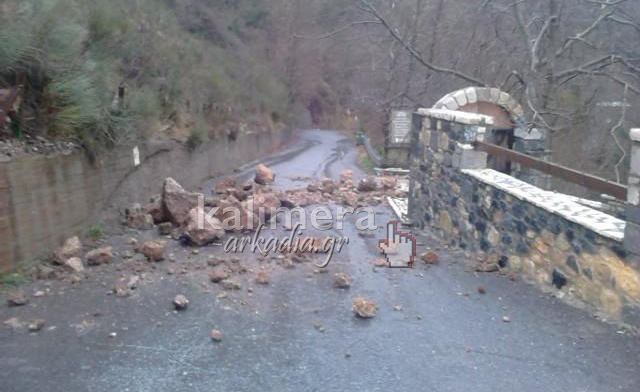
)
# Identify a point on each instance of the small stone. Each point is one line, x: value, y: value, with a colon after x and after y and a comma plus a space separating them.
x: 380, y: 262
x: 229, y: 284
x: 113, y: 334
x: 165, y: 228
x: 35, y: 325
x: 132, y: 241
x: 264, y: 175
x: 363, y: 307
x: 216, y: 335
x: 341, y: 280
x: 17, y: 298
x: 38, y: 294
x: 481, y: 290
x: 506, y: 319
x: 262, y: 277
x: 180, y: 302
x: 429, y: 258
x: 127, y: 254
x: 397, y: 308
x: 218, y: 274
x: 195, y: 251
x: 319, y: 327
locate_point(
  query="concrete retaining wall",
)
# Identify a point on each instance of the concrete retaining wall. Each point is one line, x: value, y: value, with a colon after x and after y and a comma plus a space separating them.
x: 46, y: 199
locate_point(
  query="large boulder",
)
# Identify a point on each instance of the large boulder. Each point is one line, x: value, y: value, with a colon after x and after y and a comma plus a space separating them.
x: 264, y: 175
x: 137, y: 218
x: 265, y: 201
x: 72, y: 247
x: 178, y: 202
x: 201, y: 231
x: 239, y: 216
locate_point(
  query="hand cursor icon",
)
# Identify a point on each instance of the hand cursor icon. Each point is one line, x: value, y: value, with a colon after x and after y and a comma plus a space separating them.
x: 399, y: 248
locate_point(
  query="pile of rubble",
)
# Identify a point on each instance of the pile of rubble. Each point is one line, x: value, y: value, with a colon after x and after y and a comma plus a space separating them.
x: 176, y: 210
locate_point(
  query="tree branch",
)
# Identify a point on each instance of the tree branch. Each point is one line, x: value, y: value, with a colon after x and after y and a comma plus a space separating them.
x: 367, y: 7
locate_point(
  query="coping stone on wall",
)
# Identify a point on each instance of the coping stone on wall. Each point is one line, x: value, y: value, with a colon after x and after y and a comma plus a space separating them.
x: 556, y: 203
x: 457, y: 116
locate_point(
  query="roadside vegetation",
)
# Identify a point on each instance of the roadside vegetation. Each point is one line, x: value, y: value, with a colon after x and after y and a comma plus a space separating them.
x: 105, y: 73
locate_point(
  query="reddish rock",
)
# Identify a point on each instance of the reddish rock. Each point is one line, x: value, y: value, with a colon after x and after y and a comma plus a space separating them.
x: 178, y: 202
x: 265, y: 202
x: 72, y: 248
x: 99, y: 256
x: 156, y: 209
x: 231, y: 208
x: 363, y: 307
x: 201, y: 231
x: 262, y: 277
x: 137, y: 218
x: 346, y: 175
x: 388, y: 182
x: 349, y: 198
x: 429, y: 257
x: 216, y: 335
x: 264, y: 175
x: 153, y: 250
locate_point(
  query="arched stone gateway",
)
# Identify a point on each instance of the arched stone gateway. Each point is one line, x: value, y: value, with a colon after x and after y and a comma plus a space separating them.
x: 509, y: 130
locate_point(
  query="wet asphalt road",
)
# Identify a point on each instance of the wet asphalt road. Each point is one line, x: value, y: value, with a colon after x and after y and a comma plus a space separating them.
x: 446, y: 337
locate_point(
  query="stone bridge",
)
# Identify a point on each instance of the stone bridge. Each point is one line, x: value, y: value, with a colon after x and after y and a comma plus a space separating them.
x: 563, y: 244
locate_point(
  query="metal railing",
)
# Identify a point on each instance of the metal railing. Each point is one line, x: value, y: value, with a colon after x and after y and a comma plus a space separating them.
x: 587, y: 180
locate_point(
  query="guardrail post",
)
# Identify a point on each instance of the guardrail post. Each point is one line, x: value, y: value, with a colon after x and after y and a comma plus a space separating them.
x: 632, y: 228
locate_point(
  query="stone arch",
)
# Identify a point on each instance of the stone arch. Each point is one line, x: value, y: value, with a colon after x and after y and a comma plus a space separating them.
x: 483, y: 98
x: 498, y: 104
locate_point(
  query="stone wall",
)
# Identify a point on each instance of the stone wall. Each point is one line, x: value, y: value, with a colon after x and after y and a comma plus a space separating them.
x: 45, y: 199
x: 546, y: 238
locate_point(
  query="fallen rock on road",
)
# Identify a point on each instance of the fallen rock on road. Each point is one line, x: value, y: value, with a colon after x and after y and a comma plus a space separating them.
x: 99, y: 256
x: 153, y: 250
x: 201, y: 231
x: 180, y: 302
x: 264, y: 175
x: 363, y: 307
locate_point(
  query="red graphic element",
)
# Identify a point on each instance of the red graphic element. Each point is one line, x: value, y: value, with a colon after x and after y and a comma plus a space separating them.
x: 397, y: 240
